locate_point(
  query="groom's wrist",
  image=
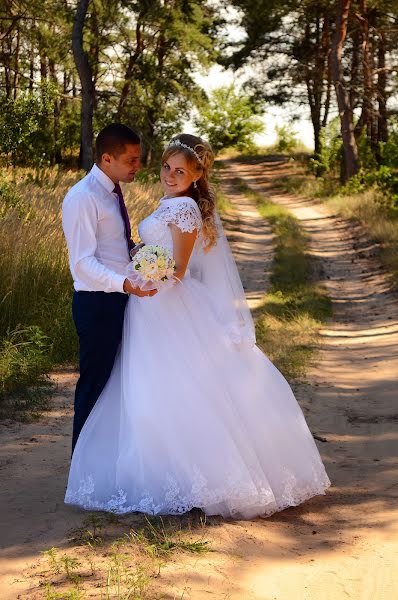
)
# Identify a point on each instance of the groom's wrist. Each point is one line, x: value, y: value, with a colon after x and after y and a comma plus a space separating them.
x: 118, y: 283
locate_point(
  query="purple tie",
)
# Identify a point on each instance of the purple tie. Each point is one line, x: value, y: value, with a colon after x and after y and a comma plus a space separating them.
x: 125, y: 216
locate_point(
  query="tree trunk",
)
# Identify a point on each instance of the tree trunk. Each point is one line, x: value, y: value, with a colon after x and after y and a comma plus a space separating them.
x: 16, y: 64
x: 87, y: 85
x: 43, y: 60
x: 316, y: 69
x: 326, y: 66
x: 56, y: 158
x: 382, y: 129
x: 365, y: 120
x: 139, y: 47
x: 315, y: 116
x: 343, y: 100
x: 318, y: 87
x: 354, y: 68
x: 328, y: 94
x: 6, y: 53
x: 94, y: 51
x: 148, y: 137
x: 31, y: 66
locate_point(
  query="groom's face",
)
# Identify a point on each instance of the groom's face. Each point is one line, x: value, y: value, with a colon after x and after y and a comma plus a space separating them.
x: 124, y: 166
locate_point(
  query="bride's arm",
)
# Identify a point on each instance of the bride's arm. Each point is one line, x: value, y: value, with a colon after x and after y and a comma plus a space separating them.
x: 183, y: 244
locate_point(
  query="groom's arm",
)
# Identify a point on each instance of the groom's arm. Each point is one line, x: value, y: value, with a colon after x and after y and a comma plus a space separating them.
x: 79, y: 222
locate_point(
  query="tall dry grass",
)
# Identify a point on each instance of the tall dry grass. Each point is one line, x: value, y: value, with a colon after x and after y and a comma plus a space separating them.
x: 35, y: 283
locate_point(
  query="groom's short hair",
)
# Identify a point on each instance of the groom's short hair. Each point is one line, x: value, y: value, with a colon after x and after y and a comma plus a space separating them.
x: 113, y: 139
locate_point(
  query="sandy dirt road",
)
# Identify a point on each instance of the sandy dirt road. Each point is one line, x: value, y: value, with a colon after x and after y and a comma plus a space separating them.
x: 340, y: 546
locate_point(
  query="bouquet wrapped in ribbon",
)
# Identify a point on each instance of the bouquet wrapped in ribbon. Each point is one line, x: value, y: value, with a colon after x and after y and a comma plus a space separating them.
x: 151, y: 268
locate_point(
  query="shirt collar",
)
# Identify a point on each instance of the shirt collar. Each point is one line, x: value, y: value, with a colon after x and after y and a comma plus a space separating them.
x: 102, y: 178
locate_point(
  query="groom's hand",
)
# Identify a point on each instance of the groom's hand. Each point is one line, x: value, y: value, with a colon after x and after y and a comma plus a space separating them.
x: 129, y: 289
x: 134, y: 250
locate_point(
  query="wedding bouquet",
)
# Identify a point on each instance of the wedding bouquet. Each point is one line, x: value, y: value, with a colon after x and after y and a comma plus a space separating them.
x: 151, y: 268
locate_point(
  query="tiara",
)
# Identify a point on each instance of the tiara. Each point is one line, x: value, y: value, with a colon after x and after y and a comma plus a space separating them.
x: 178, y: 144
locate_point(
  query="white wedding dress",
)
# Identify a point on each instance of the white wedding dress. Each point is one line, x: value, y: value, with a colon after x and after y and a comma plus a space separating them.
x: 189, y: 418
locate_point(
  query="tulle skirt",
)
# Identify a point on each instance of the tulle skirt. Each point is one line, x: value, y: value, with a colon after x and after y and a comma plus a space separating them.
x: 187, y: 420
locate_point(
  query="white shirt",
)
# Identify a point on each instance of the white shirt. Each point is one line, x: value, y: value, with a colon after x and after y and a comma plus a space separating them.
x: 95, y: 234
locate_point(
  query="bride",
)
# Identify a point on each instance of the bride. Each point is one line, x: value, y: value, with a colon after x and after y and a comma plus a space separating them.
x: 193, y: 414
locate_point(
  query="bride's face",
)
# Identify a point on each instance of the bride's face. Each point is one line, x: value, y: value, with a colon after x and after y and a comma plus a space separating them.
x: 176, y: 176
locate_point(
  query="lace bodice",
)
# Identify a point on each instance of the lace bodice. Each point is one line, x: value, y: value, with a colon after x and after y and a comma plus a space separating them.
x: 182, y: 211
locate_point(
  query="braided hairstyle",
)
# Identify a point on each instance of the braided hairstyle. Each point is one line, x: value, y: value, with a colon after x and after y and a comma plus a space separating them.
x: 200, y: 157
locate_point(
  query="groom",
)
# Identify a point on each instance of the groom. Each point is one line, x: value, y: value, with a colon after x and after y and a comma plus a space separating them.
x: 98, y: 235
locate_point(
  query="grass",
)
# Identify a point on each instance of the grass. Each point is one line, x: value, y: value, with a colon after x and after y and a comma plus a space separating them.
x: 294, y: 308
x: 126, y: 559
x: 298, y: 152
x: 36, y: 327
x: 369, y: 207
x: 223, y: 203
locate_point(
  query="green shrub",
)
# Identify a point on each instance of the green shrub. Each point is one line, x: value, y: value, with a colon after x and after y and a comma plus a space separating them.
x: 229, y: 120
x: 24, y: 356
x: 386, y: 179
x: 11, y: 199
x: 286, y: 141
x: 27, y: 130
x: 329, y: 158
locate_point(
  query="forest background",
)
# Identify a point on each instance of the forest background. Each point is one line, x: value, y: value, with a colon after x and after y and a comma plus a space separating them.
x: 68, y: 68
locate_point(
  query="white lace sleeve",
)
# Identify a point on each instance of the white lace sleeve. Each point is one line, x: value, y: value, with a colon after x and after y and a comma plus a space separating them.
x: 185, y: 215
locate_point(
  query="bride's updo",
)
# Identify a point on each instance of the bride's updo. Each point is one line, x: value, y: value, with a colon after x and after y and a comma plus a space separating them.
x: 200, y: 158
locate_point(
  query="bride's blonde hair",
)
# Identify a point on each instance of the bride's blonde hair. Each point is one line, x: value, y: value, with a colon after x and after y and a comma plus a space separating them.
x: 200, y: 158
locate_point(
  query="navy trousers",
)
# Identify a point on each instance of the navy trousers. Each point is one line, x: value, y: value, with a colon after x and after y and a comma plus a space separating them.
x: 98, y: 318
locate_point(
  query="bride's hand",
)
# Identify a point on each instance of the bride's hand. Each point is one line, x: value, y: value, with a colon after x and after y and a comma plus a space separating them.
x: 129, y: 289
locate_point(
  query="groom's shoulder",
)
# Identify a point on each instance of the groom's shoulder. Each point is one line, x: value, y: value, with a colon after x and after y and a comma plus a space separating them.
x: 83, y: 191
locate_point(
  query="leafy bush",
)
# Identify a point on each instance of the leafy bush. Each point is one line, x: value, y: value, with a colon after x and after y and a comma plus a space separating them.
x: 11, y: 199
x: 287, y: 140
x: 24, y: 356
x: 329, y: 158
x: 384, y: 179
x: 230, y: 119
x: 27, y: 128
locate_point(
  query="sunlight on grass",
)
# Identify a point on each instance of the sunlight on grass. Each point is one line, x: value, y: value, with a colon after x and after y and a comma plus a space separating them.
x: 126, y: 559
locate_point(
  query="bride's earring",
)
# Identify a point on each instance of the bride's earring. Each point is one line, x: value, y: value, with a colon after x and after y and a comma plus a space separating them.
x: 195, y: 187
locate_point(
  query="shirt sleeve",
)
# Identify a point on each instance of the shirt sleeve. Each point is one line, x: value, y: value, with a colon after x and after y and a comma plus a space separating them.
x: 79, y: 222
